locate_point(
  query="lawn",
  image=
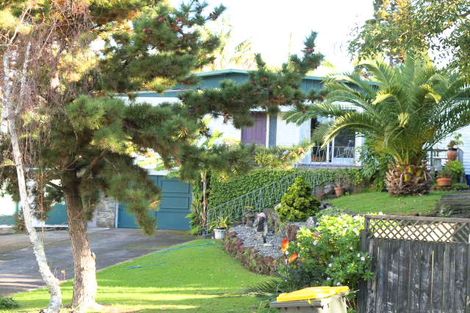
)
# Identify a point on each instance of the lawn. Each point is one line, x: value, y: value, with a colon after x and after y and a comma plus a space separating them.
x: 373, y: 202
x: 193, y: 277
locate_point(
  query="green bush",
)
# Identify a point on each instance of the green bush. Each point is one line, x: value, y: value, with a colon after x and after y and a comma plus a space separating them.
x: 225, y: 190
x: 328, y: 255
x: 298, y: 203
x: 456, y: 169
x: 374, y: 166
x: 8, y: 303
x: 460, y: 186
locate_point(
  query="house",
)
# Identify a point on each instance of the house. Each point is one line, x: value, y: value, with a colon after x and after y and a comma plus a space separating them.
x: 272, y: 130
x: 269, y: 130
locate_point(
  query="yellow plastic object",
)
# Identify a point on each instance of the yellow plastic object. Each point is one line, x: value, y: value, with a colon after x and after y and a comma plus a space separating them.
x: 312, y: 293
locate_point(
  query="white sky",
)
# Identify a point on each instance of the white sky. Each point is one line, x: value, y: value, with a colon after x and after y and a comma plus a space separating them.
x: 270, y: 24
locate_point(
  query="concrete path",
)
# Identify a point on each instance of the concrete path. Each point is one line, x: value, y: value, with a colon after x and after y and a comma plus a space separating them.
x: 19, y: 272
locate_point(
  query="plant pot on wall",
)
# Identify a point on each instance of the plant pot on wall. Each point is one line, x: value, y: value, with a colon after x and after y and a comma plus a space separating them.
x: 339, y: 191
x: 452, y: 154
x: 219, y: 233
x: 444, y: 182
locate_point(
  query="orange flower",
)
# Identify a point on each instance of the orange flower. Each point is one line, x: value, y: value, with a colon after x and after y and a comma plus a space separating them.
x: 293, y: 257
x: 285, y: 245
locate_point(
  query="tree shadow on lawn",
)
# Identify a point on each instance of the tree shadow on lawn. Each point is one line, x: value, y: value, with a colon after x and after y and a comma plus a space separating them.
x: 193, y: 277
x: 121, y: 299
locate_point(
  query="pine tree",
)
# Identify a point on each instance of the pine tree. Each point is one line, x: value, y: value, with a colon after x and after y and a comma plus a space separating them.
x: 82, y: 136
x: 86, y: 136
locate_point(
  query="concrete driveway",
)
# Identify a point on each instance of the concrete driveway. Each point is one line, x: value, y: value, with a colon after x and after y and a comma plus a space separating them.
x: 19, y: 271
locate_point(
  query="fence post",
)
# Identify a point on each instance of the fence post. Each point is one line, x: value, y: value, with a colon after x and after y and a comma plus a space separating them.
x: 362, y: 294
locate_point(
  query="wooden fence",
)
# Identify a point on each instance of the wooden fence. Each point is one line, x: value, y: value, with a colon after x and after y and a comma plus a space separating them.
x: 421, y: 265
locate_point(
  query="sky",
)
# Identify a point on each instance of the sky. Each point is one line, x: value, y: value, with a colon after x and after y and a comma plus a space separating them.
x: 276, y: 27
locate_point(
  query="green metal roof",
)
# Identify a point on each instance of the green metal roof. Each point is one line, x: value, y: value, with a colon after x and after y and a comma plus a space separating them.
x: 213, y: 79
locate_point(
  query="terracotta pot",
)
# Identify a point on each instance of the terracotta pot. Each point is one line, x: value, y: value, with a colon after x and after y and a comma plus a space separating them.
x: 444, y: 182
x: 452, y: 154
x: 339, y: 191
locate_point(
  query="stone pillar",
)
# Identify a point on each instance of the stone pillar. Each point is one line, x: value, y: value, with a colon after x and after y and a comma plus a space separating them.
x: 106, y: 211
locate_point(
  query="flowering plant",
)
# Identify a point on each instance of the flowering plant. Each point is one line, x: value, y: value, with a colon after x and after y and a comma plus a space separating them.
x: 327, y: 255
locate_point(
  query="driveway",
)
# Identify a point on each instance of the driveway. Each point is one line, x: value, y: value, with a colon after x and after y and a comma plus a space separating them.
x: 19, y: 271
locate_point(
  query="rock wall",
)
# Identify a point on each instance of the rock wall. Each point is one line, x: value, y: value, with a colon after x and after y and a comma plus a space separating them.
x: 106, y: 212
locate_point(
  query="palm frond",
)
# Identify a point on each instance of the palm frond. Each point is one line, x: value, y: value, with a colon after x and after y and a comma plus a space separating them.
x: 267, y: 287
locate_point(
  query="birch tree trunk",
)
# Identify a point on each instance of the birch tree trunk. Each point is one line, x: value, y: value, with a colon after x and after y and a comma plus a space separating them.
x: 10, y: 77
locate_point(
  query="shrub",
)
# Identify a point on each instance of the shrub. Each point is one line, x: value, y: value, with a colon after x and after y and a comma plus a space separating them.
x: 456, y: 169
x: 330, y: 254
x: 8, y: 303
x: 374, y: 166
x: 225, y: 190
x: 460, y: 186
x: 298, y: 203
x: 327, y: 255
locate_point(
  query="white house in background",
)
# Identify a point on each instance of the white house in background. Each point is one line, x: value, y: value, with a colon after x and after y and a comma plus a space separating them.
x: 272, y: 130
x: 440, y: 158
x: 268, y: 130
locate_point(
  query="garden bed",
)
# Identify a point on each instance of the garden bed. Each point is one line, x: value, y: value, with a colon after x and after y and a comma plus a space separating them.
x: 244, y: 244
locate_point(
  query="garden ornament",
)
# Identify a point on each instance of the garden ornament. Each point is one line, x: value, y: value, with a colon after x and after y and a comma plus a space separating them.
x: 261, y: 225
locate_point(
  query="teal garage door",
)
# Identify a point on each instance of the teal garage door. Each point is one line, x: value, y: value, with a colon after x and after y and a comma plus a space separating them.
x: 57, y: 215
x: 8, y: 220
x: 175, y: 205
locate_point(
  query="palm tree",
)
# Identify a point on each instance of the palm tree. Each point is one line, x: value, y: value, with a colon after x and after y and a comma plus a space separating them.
x: 402, y: 110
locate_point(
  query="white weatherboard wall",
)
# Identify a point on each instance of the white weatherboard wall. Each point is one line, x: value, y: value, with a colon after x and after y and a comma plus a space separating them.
x: 230, y: 134
x: 465, y: 132
x: 466, y: 148
x: 7, y: 206
x: 287, y: 134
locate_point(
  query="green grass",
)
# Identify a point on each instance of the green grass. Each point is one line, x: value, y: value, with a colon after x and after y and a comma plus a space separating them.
x: 373, y: 202
x: 194, y: 277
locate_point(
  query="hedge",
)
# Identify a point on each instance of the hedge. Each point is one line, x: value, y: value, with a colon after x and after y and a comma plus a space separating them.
x: 225, y: 190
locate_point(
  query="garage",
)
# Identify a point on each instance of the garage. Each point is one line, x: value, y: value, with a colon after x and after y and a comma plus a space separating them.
x: 175, y: 205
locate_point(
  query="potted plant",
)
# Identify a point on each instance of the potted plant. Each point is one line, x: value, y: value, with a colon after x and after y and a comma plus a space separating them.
x: 220, y: 227
x: 452, y: 147
x: 340, y: 183
x: 444, y: 179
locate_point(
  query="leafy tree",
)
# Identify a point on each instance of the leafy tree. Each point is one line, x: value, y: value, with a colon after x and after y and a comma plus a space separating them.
x: 409, y: 108
x: 298, y: 203
x: 403, y: 26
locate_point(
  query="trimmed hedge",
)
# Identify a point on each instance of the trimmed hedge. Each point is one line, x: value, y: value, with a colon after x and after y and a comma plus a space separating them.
x: 225, y: 190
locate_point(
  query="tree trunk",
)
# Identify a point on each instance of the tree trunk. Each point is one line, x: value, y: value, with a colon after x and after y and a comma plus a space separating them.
x: 408, y: 179
x: 85, y: 285
x: 27, y: 199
